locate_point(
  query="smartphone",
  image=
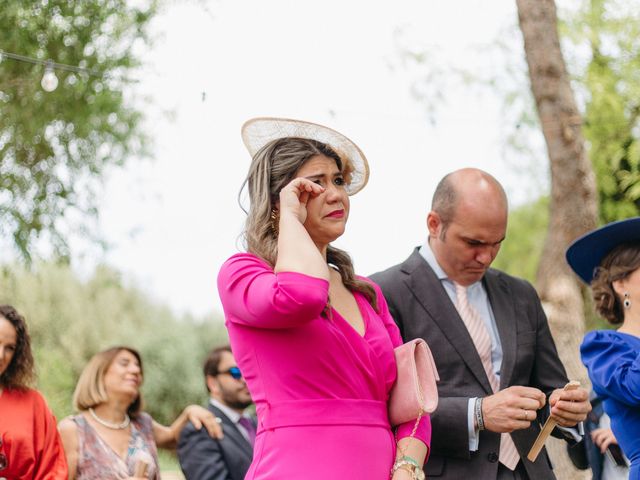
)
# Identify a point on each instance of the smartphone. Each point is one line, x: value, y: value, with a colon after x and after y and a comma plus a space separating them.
x: 614, y: 452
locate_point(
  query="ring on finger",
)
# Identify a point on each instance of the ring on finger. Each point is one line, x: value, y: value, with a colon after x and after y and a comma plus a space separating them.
x: 526, y: 415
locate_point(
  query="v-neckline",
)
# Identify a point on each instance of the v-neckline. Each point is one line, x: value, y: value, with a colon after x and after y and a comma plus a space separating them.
x: 105, y: 444
x: 363, y: 313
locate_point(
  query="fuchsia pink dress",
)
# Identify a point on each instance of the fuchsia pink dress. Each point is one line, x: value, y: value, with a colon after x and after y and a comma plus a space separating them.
x: 320, y: 388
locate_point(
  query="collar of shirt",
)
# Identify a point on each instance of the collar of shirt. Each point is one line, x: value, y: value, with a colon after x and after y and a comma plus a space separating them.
x: 474, y: 290
x: 232, y: 414
x: 477, y: 296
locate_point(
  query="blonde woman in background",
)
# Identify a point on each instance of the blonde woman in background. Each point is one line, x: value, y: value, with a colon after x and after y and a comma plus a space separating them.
x: 111, y: 436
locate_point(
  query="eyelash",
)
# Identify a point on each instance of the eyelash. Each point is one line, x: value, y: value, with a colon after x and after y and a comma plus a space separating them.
x: 339, y: 181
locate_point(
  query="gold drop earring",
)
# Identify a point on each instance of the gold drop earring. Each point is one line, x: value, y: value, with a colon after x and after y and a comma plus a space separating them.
x: 275, y: 220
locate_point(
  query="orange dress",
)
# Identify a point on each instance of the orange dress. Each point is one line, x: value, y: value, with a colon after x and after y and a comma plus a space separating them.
x: 30, y: 439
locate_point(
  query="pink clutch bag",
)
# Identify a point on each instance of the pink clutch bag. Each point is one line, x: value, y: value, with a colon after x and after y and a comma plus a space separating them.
x: 415, y: 391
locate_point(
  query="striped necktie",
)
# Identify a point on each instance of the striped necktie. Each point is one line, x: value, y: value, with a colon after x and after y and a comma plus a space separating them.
x: 509, y: 456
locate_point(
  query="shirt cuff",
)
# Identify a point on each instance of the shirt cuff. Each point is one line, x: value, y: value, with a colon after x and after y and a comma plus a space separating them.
x: 574, y: 433
x: 473, y: 431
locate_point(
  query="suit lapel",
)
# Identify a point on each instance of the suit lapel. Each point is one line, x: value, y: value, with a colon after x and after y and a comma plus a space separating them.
x: 231, y: 432
x: 504, y: 314
x: 428, y: 290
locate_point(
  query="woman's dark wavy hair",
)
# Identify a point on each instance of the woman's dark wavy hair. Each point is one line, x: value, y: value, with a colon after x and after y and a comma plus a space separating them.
x: 20, y: 373
x: 616, y: 265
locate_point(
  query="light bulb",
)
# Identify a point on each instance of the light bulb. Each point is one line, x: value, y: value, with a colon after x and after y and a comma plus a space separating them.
x: 49, y: 80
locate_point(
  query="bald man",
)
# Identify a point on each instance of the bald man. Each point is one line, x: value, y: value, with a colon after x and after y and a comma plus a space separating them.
x: 500, y: 375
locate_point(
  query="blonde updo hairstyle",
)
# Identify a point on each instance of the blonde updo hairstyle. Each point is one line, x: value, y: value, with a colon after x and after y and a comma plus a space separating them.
x: 616, y: 265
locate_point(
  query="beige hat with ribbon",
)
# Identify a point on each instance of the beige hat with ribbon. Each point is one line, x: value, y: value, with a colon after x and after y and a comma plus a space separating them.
x: 258, y: 132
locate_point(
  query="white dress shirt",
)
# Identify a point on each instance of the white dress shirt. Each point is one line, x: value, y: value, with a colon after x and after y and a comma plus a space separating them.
x: 233, y: 416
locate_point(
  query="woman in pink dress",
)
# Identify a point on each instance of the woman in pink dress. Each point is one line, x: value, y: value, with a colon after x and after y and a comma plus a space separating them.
x: 313, y: 340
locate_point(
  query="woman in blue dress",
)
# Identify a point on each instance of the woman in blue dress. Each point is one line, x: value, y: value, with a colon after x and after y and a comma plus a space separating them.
x: 609, y: 260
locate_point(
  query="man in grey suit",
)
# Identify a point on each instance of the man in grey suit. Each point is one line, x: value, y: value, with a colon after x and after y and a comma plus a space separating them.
x: 205, y: 458
x: 446, y: 293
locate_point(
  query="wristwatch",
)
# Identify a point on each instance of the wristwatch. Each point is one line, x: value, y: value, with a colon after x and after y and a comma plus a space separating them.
x: 413, y: 468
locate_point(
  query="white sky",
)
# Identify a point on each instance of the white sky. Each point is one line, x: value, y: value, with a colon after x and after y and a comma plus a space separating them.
x: 173, y: 222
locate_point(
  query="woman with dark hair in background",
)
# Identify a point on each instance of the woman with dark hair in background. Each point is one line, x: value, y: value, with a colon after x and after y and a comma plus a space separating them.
x: 313, y: 340
x: 111, y: 436
x: 609, y: 260
x: 30, y: 447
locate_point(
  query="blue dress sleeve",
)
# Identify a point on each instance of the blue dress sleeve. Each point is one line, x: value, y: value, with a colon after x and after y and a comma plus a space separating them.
x: 613, y: 363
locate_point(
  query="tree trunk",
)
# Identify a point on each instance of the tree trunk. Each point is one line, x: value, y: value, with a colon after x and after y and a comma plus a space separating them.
x: 573, y: 207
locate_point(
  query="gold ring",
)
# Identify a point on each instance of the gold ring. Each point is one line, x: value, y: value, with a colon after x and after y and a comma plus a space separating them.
x: 526, y: 415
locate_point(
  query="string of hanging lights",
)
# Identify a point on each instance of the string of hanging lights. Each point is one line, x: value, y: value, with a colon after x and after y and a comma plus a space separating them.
x: 49, y: 80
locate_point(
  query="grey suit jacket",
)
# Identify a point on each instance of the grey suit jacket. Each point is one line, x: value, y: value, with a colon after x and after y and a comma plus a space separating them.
x: 205, y: 458
x: 422, y: 309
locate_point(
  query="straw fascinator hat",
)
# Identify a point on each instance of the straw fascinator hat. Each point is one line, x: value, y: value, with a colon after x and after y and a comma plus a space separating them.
x: 586, y: 253
x: 258, y: 132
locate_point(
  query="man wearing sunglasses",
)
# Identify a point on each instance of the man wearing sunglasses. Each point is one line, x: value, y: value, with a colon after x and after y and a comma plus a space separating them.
x: 205, y: 458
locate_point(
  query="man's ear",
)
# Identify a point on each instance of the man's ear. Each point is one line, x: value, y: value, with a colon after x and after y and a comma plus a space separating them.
x: 213, y: 385
x: 433, y: 223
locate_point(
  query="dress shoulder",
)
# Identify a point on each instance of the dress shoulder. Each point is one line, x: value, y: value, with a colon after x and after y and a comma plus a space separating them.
x: 241, y: 259
x: 144, y: 422
x: 611, y: 341
x: 247, y: 266
x: 25, y: 395
x: 29, y: 396
x: 254, y: 295
x: 39, y: 400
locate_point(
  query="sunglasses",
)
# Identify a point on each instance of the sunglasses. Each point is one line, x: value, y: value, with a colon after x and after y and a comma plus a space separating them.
x: 4, y: 461
x: 234, y: 372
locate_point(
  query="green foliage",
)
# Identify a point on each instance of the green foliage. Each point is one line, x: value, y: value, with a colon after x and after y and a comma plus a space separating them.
x: 521, y: 251
x: 55, y: 147
x: 168, y: 462
x: 592, y: 320
x: 526, y: 232
x: 69, y: 320
x: 601, y: 44
x: 611, y: 81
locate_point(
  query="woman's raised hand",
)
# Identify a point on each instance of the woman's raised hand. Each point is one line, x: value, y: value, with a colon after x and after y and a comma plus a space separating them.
x: 295, y: 195
x: 297, y: 252
x: 201, y: 417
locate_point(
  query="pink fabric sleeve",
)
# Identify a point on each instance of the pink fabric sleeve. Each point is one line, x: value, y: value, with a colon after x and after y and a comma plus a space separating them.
x: 423, y: 432
x: 252, y: 294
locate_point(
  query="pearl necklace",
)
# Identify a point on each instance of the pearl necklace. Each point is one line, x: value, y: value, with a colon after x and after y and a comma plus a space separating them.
x: 113, y: 426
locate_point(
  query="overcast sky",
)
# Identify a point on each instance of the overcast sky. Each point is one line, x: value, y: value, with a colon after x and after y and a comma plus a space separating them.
x: 172, y: 223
